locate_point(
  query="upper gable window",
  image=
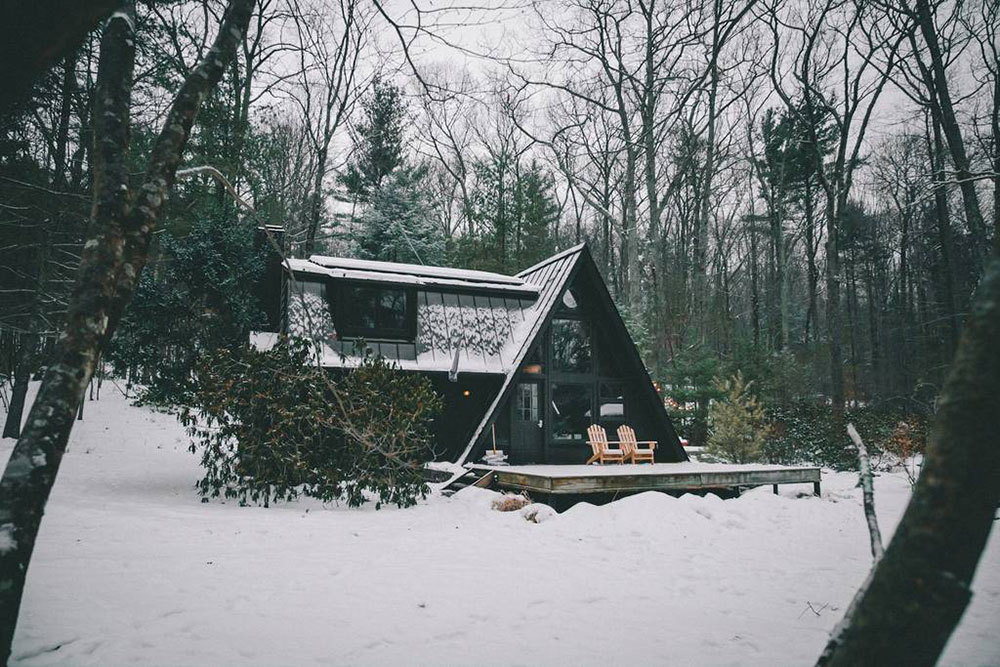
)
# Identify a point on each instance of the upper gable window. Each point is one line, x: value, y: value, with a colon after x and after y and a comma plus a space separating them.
x: 571, y: 346
x: 570, y: 300
x: 376, y: 312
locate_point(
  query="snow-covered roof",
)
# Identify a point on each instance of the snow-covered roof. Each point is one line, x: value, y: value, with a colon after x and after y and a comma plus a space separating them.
x: 484, y: 330
x: 412, y: 274
x: 468, y: 275
x: 485, y: 319
x: 551, y: 275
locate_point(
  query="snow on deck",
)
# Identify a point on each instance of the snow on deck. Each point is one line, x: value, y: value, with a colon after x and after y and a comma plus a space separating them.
x: 615, y: 470
x: 131, y: 567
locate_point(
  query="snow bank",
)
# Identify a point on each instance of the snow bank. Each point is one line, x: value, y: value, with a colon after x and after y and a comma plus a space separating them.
x: 130, y: 567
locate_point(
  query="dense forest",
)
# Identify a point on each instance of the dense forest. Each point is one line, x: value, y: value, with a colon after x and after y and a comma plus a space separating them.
x: 805, y: 193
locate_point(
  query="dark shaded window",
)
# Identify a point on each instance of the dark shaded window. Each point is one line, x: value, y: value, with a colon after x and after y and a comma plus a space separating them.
x: 571, y: 348
x: 375, y: 312
x: 571, y: 411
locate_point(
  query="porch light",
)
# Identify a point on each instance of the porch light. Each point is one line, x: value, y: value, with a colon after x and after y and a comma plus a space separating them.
x: 531, y: 369
x: 465, y: 392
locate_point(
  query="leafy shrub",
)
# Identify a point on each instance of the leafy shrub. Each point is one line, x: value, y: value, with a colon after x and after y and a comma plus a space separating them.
x: 737, y: 429
x: 272, y: 426
x: 803, y: 433
x: 905, y: 444
x: 195, y: 298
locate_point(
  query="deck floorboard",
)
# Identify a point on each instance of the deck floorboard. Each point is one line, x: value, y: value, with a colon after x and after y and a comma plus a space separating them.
x: 631, y: 478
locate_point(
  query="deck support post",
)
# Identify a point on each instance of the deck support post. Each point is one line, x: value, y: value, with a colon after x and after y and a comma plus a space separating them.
x: 816, y: 489
x: 775, y: 487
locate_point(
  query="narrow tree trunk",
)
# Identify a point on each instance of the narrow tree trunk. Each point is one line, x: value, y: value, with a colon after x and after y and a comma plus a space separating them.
x: 920, y: 588
x: 62, y: 133
x: 942, y: 105
x: 812, y: 269
x: 112, y: 262
x: 995, y: 127
x: 833, y: 319
x: 22, y: 374
x: 936, y: 154
x: 754, y: 284
x: 868, y: 493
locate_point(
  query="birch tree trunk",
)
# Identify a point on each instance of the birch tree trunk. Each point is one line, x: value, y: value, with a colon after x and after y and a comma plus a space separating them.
x: 122, y: 223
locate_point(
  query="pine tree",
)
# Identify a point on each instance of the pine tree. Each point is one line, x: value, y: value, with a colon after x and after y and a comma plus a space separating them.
x: 399, y: 224
x: 515, y: 212
x: 737, y: 430
x: 380, y: 146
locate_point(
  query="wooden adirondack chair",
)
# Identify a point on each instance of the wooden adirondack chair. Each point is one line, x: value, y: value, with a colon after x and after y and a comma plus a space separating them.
x: 603, y: 453
x: 630, y: 446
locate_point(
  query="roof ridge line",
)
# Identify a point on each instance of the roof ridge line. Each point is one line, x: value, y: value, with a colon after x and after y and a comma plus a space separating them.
x: 556, y: 257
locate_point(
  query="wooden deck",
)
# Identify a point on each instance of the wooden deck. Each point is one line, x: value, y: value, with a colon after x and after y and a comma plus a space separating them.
x: 634, y: 478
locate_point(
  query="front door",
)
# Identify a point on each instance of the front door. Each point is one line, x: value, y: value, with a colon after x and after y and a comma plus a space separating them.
x: 527, y: 432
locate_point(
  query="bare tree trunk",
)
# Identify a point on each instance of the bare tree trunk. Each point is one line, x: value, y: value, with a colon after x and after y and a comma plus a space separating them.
x: 995, y: 127
x: 942, y: 105
x: 112, y: 262
x: 936, y: 154
x: 868, y: 493
x: 62, y: 133
x: 920, y: 588
x: 833, y: 319
x: 811, y: 248
x: 22, y: 373
x: 703, y: 212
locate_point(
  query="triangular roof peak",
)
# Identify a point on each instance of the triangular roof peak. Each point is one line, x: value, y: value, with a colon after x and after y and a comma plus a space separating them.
x: 554, y: 258
x: 553, y: 275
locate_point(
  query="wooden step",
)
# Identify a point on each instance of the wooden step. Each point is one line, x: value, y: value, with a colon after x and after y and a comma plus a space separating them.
x: 480, y: 478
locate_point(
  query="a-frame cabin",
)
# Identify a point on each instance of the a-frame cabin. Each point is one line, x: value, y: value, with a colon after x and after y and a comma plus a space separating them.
x: 527, y: 362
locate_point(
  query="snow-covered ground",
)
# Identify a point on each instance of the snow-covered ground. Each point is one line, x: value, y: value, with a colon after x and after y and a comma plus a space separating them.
x: 131, y: 567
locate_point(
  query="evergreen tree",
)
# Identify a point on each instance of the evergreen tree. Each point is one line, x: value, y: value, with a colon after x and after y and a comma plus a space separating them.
x: 737, y: 429
x: 399, y: 224
x: 380, y: 146
x: 198, y: 298
x: 515, y: 210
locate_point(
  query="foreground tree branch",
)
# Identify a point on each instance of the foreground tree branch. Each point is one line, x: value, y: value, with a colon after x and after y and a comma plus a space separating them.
x: 122, y: 224
x: 868, y: 492
x: 35, y: 35
x: 920, y: 588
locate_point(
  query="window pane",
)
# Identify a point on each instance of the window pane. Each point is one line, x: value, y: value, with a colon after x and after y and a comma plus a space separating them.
x: 612, y: 406
x: 360, y: 306
x: 571, y: 351
x: 527, y: 402
x: 373, y: 312
x: 571, y: 411
x: 570, y: 299
x: 392, y: 309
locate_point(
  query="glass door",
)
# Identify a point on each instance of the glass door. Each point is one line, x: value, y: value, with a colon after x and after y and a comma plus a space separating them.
x: 528, y: 427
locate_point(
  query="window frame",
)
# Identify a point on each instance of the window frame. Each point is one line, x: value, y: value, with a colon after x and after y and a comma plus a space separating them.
x: 588, y: 330
x: 593, y: 379
x: 341, y: 291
